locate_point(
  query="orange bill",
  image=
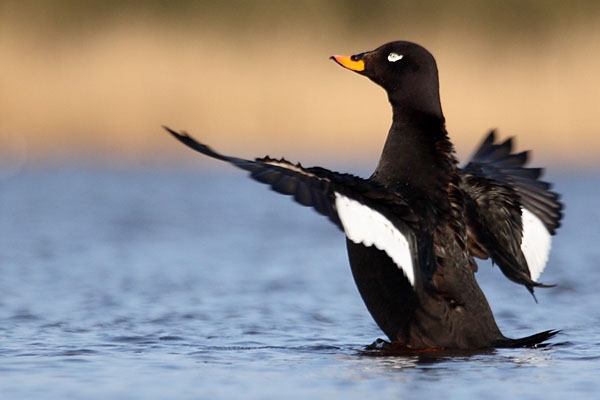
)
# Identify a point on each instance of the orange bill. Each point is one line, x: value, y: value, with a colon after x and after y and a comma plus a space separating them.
x: 348, y: 62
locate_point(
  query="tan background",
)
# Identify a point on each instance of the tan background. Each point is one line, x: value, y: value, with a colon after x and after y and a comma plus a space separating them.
x: 96, y: 79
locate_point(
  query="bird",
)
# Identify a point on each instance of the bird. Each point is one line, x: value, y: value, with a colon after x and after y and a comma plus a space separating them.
x: 414, y: 227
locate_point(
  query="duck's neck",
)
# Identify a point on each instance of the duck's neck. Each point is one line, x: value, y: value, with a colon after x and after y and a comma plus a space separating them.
x: 417, y: 152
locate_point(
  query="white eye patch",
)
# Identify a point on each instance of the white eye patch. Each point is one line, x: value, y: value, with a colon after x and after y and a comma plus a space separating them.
x: 393, y: 57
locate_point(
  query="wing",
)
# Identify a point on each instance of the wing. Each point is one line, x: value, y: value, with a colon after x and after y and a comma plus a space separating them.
x: 365, y: 211
x: 512, y: 214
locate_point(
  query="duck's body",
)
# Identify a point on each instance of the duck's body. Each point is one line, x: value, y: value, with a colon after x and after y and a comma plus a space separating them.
x: 415, y: 225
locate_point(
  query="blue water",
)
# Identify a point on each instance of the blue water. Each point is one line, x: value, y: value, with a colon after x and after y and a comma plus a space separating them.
x: 176, y: 283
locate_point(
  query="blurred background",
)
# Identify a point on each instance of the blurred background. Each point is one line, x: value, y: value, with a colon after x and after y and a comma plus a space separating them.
x: 96, y: 79
x: 130, y: 264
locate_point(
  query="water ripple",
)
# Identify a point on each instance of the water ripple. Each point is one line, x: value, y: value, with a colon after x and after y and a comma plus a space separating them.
x: 114, y: 289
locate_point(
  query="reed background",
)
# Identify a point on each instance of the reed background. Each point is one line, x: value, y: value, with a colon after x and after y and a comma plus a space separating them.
x: 94, y: 80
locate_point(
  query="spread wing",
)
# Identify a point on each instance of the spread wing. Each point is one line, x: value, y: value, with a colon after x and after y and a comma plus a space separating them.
x: 365, y: 211
x: 511, y: 213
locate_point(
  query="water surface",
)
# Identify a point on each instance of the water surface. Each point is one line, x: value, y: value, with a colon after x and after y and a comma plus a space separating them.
x: 173, y: 283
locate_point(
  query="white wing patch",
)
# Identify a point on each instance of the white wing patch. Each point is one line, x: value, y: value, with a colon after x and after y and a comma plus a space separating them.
x: 367, y: 226
x: 535, y: 244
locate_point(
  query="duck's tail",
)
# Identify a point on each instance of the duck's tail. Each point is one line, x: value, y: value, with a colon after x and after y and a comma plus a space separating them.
x: 536, y: 340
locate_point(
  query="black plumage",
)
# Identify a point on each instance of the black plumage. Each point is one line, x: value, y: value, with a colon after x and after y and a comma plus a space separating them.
x: 415, y: 225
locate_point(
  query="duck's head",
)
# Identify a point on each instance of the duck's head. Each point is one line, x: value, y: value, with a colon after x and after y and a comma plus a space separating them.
x: 406, y: 71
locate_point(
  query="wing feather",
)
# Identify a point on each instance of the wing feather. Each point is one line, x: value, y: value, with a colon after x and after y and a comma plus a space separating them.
x: 515, y: 214
x: 367, y: 212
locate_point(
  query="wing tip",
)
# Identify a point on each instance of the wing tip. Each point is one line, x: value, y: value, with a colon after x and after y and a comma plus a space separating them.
x: 193, y: 144
x: 174, y: 133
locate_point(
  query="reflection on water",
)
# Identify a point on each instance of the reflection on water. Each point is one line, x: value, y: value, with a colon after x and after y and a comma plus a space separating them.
x: 170, y: 283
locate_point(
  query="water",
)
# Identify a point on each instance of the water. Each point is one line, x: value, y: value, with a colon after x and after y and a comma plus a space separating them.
x: 172, y: 283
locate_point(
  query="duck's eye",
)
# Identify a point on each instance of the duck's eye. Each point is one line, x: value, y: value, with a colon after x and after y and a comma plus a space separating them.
x: 393, y: 57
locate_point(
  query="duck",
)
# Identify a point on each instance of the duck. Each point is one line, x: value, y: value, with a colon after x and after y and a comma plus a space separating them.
x: 414, y: 227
